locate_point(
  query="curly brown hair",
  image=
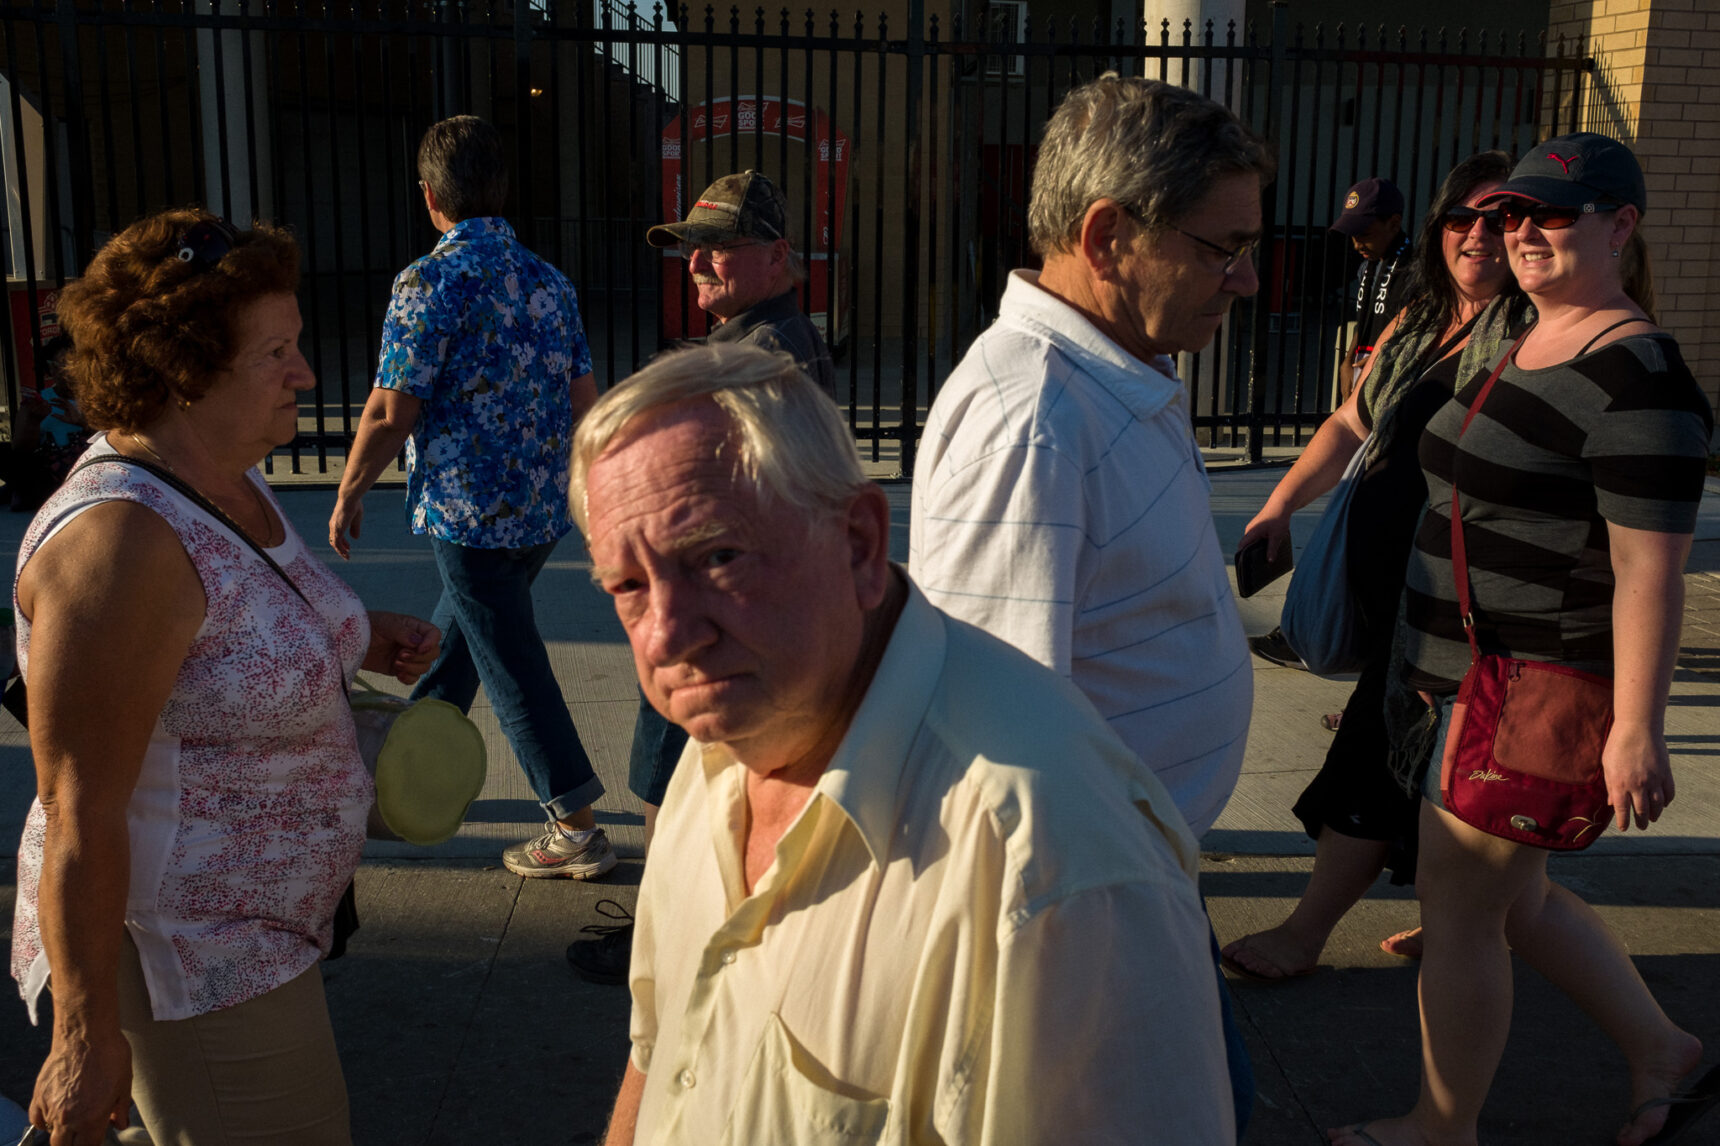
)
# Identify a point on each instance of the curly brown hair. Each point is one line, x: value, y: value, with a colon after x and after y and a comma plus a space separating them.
x: 148, y: 329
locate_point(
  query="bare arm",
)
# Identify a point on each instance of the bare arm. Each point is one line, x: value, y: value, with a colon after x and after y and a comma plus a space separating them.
x: 584, y: 392
x: 114, y: 604
x: 1321, y: 464
x: 383, y: 428
x: 625, y: 1120
x: 1316, y: 471
x: 1648, y: 613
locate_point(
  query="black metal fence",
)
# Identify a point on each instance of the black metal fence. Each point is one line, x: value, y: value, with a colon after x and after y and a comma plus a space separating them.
x: 905, y: 146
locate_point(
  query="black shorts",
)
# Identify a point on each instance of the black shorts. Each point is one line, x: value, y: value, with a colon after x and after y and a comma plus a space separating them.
x: 1354, y: 793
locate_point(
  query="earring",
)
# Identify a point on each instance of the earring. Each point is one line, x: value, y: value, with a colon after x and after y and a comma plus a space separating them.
x: 1615, y: 252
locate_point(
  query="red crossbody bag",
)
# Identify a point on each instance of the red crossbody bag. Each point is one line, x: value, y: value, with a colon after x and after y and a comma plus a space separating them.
x: 1523, y: 755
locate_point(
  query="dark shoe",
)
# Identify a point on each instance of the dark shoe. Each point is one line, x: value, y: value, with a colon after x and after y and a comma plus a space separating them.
x: 606, y: 958
x: 1275, y: 648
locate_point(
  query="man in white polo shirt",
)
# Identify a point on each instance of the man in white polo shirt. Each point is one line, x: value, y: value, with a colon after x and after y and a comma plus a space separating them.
x: 1060, y: 501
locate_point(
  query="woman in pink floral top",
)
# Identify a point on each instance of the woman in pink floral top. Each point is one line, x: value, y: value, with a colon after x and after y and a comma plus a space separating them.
x: 201, y: 801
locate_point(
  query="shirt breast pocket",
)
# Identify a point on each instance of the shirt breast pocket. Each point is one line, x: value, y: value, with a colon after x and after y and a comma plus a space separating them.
x: 788, y: 1096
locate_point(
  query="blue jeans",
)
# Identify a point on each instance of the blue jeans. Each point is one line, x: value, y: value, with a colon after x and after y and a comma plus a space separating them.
x: 657, y: 747
x: 489, y: 635
x: 1235, y: 1051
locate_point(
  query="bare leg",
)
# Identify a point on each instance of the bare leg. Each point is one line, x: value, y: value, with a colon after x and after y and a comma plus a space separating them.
x: 1474, y: 889
x: 1560, y: 936
x: 581, y: 821
x: 1344, y: 868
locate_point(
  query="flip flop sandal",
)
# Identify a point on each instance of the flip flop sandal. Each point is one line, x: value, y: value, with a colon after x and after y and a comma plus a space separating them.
x: 1390, y: 944
x: 1686, y: 1109
x: 1330, y: 721
x: 1235, y: 967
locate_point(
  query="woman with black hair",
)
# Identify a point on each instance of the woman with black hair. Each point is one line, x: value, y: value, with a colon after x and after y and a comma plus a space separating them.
x: 1360, y: 816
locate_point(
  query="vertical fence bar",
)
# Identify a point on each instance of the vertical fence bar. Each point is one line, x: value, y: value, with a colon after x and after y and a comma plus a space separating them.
x: 134, y: 84
x: 910, y: 246
x: 881, y: 130
x: 99, y: 28
x: 21, y: 166
x: 854, y: 219
x: 1277, y: 74
x: 931, y: 175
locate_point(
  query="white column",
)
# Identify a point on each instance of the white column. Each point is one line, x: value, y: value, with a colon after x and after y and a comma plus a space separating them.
x: 243, y: 112
x: 1220, y: 12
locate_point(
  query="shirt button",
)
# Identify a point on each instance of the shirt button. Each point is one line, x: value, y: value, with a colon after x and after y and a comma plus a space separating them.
x: 687, y: 1080
x: 728, y: 957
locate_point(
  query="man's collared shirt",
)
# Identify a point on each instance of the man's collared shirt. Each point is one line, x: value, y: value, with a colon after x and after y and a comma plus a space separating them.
x: 982, y: 928
x: 1060, y: 502
x: 488, y: 336
x: 777, y: 324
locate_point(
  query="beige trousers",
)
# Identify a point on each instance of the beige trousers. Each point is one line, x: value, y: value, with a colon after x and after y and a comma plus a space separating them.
x: 263, y: 1073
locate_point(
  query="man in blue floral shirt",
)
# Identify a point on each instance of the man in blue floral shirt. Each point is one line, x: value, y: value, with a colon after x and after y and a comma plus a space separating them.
x: 483, y: 376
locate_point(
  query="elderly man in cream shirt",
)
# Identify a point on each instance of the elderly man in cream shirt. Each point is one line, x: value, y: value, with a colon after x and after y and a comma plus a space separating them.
x: 906, y: 886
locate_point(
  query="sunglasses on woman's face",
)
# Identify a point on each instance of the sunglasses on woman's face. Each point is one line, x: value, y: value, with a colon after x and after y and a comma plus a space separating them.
x: 1508, y: 216
x: 1459, y: 220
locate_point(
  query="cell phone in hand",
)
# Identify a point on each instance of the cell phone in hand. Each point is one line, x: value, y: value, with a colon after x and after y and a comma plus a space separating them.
x: 1254, y: 572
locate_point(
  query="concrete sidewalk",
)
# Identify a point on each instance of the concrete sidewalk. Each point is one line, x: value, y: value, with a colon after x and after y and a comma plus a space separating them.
x: 458, y: 1020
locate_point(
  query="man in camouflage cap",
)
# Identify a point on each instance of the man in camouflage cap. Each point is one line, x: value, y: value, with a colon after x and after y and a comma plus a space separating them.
x: 735, y: 241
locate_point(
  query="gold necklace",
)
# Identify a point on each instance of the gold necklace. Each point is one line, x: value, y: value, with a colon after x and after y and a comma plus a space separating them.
x: 256, y: 496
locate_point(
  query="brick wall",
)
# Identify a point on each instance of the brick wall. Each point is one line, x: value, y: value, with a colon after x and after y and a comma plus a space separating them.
x: 1657, y: 87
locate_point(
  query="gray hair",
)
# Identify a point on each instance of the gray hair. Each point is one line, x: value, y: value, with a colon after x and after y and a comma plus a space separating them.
x: 791, y: 441
x: 1151, y: 146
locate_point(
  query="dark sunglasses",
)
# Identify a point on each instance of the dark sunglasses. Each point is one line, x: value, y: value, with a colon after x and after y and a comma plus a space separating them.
x: 206, y: 243
x: 1459, y: 220
x: 1508, y: 216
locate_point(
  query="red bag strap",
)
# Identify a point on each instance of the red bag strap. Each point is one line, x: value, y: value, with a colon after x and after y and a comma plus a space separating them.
x: 1459, y: 555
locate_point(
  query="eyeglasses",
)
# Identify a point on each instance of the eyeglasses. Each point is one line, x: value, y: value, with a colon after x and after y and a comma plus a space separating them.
x: 1460, y: 220
x: 1508, y: 216
x: 206, y: 243
x: 717, y: 253
x: 1232, y: 259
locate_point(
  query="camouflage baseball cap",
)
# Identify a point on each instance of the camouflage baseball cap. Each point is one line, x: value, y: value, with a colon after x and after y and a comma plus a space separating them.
x: 744, y: 206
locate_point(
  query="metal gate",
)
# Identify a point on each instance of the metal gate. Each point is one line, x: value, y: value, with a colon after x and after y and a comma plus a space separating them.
x: 905, y: 147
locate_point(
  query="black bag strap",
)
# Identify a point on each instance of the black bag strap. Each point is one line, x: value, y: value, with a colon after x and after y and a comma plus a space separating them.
x: 195, y: 497
x: 1587, y: 346
x: 1459, y: 555
x: 16, y: 698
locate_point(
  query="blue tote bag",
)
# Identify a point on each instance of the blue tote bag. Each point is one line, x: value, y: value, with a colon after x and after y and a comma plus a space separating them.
x: 1322, y: 620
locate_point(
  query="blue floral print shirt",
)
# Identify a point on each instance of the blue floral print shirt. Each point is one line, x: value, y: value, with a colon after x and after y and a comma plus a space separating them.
x: 487, y: 335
